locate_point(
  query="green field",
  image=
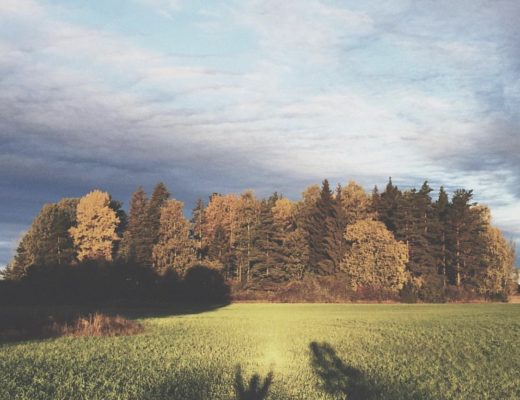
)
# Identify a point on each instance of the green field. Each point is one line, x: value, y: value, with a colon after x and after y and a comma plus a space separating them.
x: 314, y: 351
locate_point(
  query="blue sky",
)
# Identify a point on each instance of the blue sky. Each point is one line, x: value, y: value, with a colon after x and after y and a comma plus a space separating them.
x: 269, y: 95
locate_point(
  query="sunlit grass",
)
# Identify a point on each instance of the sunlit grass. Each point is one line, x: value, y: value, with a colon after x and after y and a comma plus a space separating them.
x: 381, y: 351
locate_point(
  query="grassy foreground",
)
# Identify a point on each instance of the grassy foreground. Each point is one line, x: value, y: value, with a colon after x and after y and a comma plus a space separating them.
x: 314, y: 351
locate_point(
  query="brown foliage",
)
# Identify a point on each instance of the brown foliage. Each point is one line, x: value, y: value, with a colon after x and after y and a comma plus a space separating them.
x: 97, y: 324
x: 317, y: 289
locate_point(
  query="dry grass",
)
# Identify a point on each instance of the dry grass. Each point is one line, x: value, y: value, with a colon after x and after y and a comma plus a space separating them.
x: 96, y: 324
x: 99, y: 324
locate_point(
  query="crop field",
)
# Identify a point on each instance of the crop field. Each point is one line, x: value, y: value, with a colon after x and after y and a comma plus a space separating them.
x: 283, y: 351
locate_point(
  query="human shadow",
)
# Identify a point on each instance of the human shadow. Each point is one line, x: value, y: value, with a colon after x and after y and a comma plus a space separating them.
x: 210, y: 384
x: 256, y: 389
x: 339, y: 378
x: 336, y: 376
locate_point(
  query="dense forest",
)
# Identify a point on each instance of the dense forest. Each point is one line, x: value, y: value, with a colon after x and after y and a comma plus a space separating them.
x: 332, y: 244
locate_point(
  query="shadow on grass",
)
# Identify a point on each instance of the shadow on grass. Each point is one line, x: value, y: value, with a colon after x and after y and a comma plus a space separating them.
x: 22, y: 323
x: 255, y: 390
x: 208, y: 384
x: 339, y: 378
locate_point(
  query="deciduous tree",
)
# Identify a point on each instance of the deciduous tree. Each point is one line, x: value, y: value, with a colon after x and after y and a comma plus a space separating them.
x: 375, y: 258
x: 174, y: 250
x: 95, y: 233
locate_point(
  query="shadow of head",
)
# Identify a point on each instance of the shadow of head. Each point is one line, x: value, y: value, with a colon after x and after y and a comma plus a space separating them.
x: 336, y: 376
x: 255, y: 390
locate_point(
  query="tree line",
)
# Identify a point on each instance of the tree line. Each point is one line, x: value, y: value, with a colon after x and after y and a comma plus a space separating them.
x: 398, y: 242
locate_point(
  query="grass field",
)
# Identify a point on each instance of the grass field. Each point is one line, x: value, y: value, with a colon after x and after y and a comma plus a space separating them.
x: 314, y: 351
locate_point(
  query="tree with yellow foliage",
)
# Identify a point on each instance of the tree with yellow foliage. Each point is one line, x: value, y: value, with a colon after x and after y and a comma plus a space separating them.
x: 174, y: 249
x: 357, y: 204
x: 375, y: 258
x: 95, y: 234
x: 498, y: 260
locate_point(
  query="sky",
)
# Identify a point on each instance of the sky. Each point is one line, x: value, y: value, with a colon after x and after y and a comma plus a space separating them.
x: 222, y: 96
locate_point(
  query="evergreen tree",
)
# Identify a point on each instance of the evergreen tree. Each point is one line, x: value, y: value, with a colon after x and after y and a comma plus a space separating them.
x: 197, y: 226
x: 465, y: 225
x: 134, y: 243
x: 319, y: 233
x: 246, y: 235
x: 47, y: 243
x: 295, y: 250
x: 387, y: 206
x: 336, y: 225
x: 152, y: 222
x: 267, y: 243
x: 439, y: 234
x: 375, y: 202
x: 423, y: 264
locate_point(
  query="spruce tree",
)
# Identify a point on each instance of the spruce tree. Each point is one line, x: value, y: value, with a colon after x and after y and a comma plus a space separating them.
x: 197, y: 229
x: 134, y: 244
x: 423, y: 263
x: 336, y: 225
x: 152, y: 222
x: 246, y: 235
x: 466, y: 225
x: 267, y: 242
x: 439, y: 233
x: 387, y: 206
x: 319, y: 233
x: 47, y: 243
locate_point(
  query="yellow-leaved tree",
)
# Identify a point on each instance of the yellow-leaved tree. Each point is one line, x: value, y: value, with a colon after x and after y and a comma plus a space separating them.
x: 357, y: 204
x: 498, y: 260
x: 95, y: 234
x: 174, y: 250
x: 375, y: 258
